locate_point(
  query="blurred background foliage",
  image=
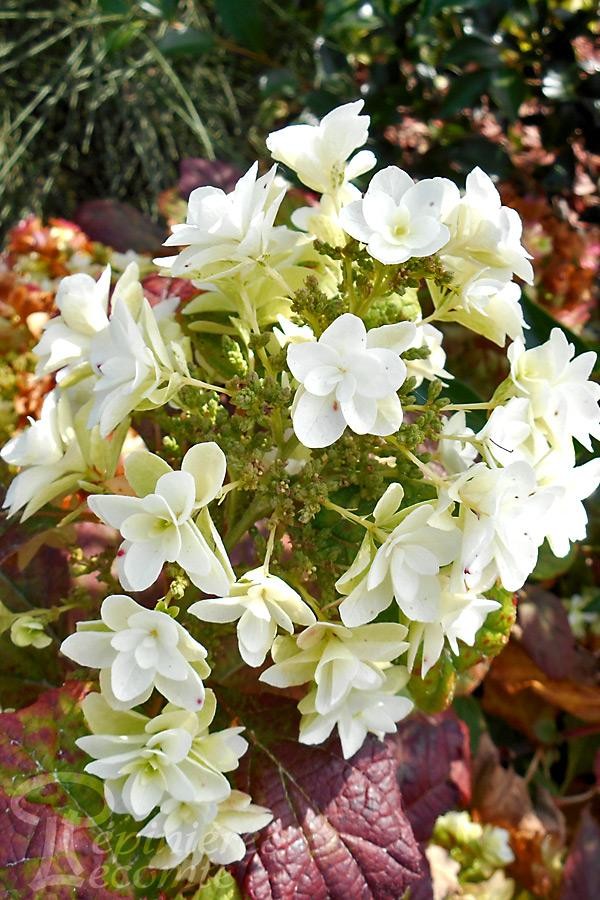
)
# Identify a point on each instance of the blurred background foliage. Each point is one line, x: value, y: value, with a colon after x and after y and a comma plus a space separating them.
x: 104, y: 98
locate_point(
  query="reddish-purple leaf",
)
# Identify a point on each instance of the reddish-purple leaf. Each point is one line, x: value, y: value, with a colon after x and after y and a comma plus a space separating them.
x: 46, y: 845
x: 119, y: 225
x: 581, y: 878
x: 42, y: 853
x: 434, y: 768
x: 339, y: 829
x: 196, y: 172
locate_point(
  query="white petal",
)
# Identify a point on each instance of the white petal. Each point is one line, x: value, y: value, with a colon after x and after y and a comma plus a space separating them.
x: 318, y: 421
x: 207, y: 465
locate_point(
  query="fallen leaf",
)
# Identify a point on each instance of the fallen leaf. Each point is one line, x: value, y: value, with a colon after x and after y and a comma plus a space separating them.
x: 514, y: 671
x: 501, y: 797
x: 581, y: 877
x: 545, y: 632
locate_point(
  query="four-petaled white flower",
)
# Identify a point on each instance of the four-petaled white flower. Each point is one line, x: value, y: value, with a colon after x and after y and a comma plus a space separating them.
x: 161, y: 524
x: 193, y: 831
x: 83, y: 306
x: 376, y: 711
x: 137, y: 650
x: 144, y: 761
x: 558, y: 387
x: 398, y: 219
x: 336, y: 658
x: 260, y: 602
x: 230, y: 234
x: 348, y: 378
x: 319, y: 154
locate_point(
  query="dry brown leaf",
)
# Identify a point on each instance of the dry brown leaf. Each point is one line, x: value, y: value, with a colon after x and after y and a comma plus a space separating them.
x: 514, y: 672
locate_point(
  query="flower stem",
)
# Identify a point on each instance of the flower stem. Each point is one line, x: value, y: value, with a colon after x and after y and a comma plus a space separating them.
x: 467, y: 406
x: 195, y: 382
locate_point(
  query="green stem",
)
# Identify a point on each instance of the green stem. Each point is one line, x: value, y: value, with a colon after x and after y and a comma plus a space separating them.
x: 467, y: 406
x: 258, y: 509
x: 358, y: 520
x: 195, y: 382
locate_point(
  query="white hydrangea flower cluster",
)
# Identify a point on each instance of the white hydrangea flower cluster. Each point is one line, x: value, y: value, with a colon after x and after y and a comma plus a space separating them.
x: 419, y: 585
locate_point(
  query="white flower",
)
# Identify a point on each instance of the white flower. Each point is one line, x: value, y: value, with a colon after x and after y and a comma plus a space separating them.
x: 322, y: 219
x: 566, y: 520
x: 460, y: 826
x: 260, y: 602
x: 405, y: 568
x: 456, y: 455
x: 158, y: 525
x: 495, y: 846
x: 138, y: 650
x: 432, y: 366
x: 398, y: 219
x: 502, y: 516
x: 319, y: 154
x: 485, y: 233
x: 83, y: 305
x: 347, y: 378
x: 338, y: 659
x: 290, y: 333
x: 488, y: 306
x: 558, y: 387
x: 444, y: 872
x: 28, y: 631
x: 195, y: 830
x: 145, y: 761
x: 376, y: 711
x: 49, y: 454
x: 461, y: 614
x: 511, y: 434
x: 134, y: 363
x: 235, y: 815
x: 229, y: 234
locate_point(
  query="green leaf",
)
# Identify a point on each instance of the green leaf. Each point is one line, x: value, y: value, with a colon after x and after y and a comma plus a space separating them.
x: 222, y: 886
x: 243, y: 21
x: 120, y: 38
x: 469, y: 710
x: 115, y: 7
x: 465, y: 92
x: 549, y: 566
x: 471, y: 49
x: 186, y: 42
x: 541, y: 324
x: 508, y: 91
